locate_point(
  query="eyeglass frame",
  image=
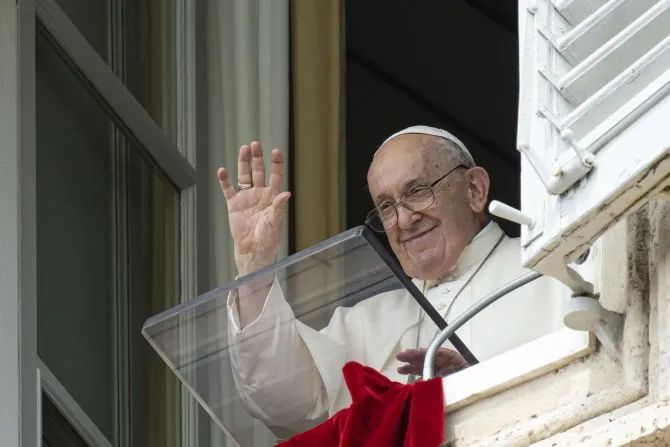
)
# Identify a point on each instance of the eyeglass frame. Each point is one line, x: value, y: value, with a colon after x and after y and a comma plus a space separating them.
x: 375, y: 212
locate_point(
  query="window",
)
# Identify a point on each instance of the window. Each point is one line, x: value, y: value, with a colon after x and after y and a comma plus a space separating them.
x: 137, y: 41
x: 95, y: 228
x: 107, y: 259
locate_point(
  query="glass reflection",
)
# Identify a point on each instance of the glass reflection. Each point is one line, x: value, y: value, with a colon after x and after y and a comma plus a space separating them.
x: 283, y: 368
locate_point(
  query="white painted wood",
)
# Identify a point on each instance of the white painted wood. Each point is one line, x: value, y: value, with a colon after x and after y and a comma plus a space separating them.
x: 609, y: 105
x: 616, y: 92
x: 69, y: 408
x: 601, y: 26
x: 124, y: 108
x: 578, y: 10
x: 628, y: 173
x: 18, y: 334
x: 613, y: 56
x: 514, y: 367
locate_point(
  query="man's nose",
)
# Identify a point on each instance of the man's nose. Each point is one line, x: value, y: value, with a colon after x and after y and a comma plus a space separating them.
x: 406, y: 217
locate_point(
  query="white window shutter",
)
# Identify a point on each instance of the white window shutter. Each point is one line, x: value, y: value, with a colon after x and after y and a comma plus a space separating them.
x: 594, y: 119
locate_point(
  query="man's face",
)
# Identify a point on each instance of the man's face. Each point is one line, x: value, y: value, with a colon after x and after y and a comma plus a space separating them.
x: 429, y: 242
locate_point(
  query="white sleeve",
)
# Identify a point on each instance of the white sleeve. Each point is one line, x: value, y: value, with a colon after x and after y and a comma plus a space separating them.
x: 273, y: 369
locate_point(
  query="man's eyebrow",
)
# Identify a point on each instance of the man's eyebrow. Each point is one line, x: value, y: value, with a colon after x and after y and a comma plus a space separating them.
x: 419, y: 181
x: 415, y: 182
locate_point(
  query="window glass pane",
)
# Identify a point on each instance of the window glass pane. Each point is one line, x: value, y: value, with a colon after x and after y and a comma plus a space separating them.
x: 56, y: 430
x: 152, y: 286
x: 107, y: 259
x: 136, y: 39
x: 149, y: 58
x: 91, y: 17
x: 74, y: 237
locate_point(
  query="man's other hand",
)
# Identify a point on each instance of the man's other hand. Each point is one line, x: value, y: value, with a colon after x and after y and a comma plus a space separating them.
x: 447, y: 361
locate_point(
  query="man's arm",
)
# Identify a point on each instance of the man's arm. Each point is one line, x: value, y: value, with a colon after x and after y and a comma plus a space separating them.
x: 274, y: 371
x: 271, y: 364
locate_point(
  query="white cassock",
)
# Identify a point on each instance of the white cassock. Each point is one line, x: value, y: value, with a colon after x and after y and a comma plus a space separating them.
x: 289, y: 373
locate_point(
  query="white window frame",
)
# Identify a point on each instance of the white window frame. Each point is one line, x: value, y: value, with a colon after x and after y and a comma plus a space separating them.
x: 21, y: 368
x: 18, y: 313
x: 69, y: 408
x: 572, y: 200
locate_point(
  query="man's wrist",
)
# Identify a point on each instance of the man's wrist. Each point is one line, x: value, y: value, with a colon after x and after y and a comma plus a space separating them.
x: 245, y: 268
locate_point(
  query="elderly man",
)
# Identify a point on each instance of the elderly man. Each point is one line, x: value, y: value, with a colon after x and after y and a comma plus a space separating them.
x: 430, y: 200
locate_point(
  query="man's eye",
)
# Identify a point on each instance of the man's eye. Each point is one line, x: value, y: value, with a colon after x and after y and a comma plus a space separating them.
x: 385, y: 208
x: 419, y: 192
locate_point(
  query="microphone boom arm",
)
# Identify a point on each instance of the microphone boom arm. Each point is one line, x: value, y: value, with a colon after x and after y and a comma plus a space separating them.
x: 431, y: 353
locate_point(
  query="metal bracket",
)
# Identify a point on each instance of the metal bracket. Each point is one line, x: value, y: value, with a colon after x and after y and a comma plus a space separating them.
x: 583, y: 312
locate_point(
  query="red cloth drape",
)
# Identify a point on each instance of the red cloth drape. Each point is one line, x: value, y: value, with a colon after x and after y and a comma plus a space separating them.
x: 382, y: 414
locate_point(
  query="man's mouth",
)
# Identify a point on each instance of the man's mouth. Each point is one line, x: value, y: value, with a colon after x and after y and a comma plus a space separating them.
x: 417, y: 235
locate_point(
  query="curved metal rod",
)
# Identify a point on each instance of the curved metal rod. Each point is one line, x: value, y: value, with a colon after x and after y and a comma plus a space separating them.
x: 431, y: 353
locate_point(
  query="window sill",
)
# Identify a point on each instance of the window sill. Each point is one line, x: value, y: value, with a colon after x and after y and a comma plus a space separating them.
x: 514, y: 367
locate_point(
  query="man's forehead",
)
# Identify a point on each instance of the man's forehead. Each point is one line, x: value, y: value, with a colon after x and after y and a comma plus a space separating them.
x: 410, y: 155
x: 405, y: 154
x: 395, y: 170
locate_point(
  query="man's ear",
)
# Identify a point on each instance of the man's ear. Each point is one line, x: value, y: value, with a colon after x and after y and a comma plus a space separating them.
x: 478, y: 188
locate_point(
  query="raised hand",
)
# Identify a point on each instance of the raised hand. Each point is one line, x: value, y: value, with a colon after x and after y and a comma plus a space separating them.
x: 255, y: 210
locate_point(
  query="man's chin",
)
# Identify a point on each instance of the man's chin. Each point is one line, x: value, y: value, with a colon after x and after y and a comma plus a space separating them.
x: 425, y: 268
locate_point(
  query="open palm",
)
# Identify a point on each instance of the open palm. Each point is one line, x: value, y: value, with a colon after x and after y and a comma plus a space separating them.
x: 255, y: 212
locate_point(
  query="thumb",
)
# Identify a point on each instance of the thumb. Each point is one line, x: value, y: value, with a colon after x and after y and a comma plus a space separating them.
x: 279, y: 202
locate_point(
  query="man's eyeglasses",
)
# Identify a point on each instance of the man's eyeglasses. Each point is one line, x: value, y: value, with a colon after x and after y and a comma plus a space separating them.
x: 385, y: 217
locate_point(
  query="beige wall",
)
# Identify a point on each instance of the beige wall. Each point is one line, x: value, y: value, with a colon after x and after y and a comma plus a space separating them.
x: 598, y: 401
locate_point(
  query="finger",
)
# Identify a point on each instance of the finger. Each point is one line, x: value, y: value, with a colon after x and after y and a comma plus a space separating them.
x: 409, y: 369
x: 279, y: 202
x: 277, y: 170
x: 257, y: 166
x: 226, y: 185
x: 447, y: 355
x: 449, y: 362
x: 409, y: 355
x: 279, y: 205
x: 243, y: 173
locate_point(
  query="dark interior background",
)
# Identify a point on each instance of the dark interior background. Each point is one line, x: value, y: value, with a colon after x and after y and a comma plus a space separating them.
x: 446, y: 63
